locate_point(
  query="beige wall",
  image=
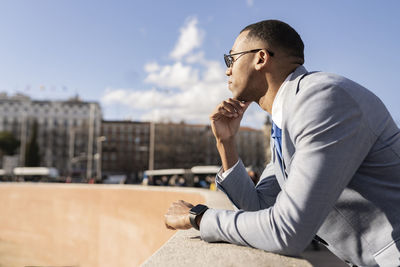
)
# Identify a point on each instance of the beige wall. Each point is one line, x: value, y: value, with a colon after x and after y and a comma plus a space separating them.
x: 83, y: 225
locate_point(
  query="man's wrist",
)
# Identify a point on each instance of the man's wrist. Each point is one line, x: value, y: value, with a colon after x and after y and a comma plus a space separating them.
x: 227, y: 153
x: 198, y: 219
x: 225, y: 142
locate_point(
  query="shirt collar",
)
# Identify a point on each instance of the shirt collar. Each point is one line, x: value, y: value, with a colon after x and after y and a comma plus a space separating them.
x: 277, y: 106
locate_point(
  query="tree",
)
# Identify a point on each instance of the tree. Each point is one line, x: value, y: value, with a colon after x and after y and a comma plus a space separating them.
x: 8, y: 143
x: 32, y: 156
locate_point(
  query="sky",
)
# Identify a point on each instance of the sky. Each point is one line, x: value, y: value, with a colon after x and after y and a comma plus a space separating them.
x: 163, y: 60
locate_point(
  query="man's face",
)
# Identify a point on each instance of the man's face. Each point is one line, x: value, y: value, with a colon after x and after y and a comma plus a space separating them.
x: 241, y: 71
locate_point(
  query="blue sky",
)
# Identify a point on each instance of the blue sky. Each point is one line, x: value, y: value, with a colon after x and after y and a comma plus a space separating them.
x: 163, y: 60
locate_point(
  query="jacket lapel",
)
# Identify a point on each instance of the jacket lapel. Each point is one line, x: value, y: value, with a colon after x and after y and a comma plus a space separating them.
x: 288, y: 148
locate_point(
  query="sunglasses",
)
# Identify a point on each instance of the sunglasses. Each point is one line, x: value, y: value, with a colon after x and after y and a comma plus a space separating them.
x: 229, y: 58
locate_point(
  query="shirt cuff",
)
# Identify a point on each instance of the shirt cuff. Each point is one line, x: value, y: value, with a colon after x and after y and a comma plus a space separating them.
x: 221, y: 175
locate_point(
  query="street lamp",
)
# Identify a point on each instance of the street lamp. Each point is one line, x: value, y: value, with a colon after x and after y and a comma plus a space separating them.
x: 90, y: 142
x: 99, y: 140
x: 71, y: 149
x: 151, y: 148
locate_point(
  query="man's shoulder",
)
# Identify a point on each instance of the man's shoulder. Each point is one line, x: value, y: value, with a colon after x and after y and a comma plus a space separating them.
x: 330, y: 84
x: 323, y: 79
x: 323, y: 95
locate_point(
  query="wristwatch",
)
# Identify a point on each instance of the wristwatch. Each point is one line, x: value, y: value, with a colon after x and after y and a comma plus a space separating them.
x: 194, y: 212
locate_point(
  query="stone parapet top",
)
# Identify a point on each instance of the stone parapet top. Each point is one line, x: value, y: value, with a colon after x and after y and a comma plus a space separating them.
x: 186, y: 248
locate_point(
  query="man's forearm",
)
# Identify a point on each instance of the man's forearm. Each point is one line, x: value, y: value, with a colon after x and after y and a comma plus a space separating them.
x: 227, y: 152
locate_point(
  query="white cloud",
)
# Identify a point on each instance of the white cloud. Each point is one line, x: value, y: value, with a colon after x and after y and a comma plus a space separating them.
x: 191, y: 104
x: 214, y: 72
x: 186, y: 90
x: 191, y: 37
x: 177, y: 75
x: 195, y: 58
x: 152, y: 66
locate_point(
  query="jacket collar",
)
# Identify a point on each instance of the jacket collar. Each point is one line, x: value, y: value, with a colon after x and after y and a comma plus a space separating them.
x: 287, y: 98
x: 278, y: 105
x: 297, y: 74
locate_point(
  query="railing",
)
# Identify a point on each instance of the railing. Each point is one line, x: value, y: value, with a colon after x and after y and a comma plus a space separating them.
x: 186, y: 248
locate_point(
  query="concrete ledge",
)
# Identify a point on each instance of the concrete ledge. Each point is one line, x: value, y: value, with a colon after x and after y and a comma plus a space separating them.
x: 186, y: 248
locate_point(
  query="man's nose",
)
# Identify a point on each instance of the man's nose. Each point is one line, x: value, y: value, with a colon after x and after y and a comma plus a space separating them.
x: 228, y: 71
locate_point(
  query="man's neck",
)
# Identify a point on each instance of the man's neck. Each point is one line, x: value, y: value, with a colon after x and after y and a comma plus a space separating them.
x: 274, y: 82
x: 267, y: 100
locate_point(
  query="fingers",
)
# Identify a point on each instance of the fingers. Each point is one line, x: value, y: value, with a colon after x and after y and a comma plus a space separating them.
x: 230, y: 108
x: 177, y: 216
x: 238, y: 106
x: 169, y: 227
x: 180, y: 204
x: 167, y: 220
x: 187, y: 204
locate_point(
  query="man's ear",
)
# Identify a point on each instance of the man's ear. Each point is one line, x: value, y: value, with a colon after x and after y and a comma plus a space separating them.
x: 261, y: 60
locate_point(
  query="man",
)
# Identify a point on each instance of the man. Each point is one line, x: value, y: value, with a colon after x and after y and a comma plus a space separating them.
x: 335, y: 169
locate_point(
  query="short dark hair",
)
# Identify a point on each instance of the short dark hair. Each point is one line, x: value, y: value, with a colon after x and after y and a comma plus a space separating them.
x: 278, y: 35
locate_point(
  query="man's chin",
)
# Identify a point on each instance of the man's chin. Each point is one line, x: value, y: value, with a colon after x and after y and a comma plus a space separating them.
x: 238, y: 96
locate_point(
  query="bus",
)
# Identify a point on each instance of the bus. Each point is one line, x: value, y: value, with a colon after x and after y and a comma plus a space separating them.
x: 173, y: 177
x: 204, y: 176
x: 197, y: 176
x: 36, y: 173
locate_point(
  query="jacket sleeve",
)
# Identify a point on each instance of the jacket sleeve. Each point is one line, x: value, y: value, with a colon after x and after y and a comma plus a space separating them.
x: 241, y: 191
x: 331, y: 139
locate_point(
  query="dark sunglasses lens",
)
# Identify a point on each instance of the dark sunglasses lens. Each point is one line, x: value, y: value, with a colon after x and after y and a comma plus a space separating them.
x: 227, y: 60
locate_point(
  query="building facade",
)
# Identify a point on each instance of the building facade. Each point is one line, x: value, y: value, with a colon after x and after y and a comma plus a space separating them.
x: 180, y: 145
x: 125, y: 150
x: 253, y: 147
x: 128, y: 148
x: 73, y: 138
x: 66, y: 131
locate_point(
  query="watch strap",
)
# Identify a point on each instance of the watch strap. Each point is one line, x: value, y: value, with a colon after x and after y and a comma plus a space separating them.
x: 192, y: 218
x: 194, y: 212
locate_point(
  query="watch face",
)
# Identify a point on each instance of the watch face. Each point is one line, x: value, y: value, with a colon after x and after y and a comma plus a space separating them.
x: 198, y: 209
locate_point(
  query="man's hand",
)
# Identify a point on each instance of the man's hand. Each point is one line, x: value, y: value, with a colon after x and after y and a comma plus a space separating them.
x: 225, y: 119
x: 177, y: 216
x: 225, y: 122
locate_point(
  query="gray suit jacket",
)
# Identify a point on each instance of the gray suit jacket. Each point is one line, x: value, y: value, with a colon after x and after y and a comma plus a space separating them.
x: 341, y: 150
